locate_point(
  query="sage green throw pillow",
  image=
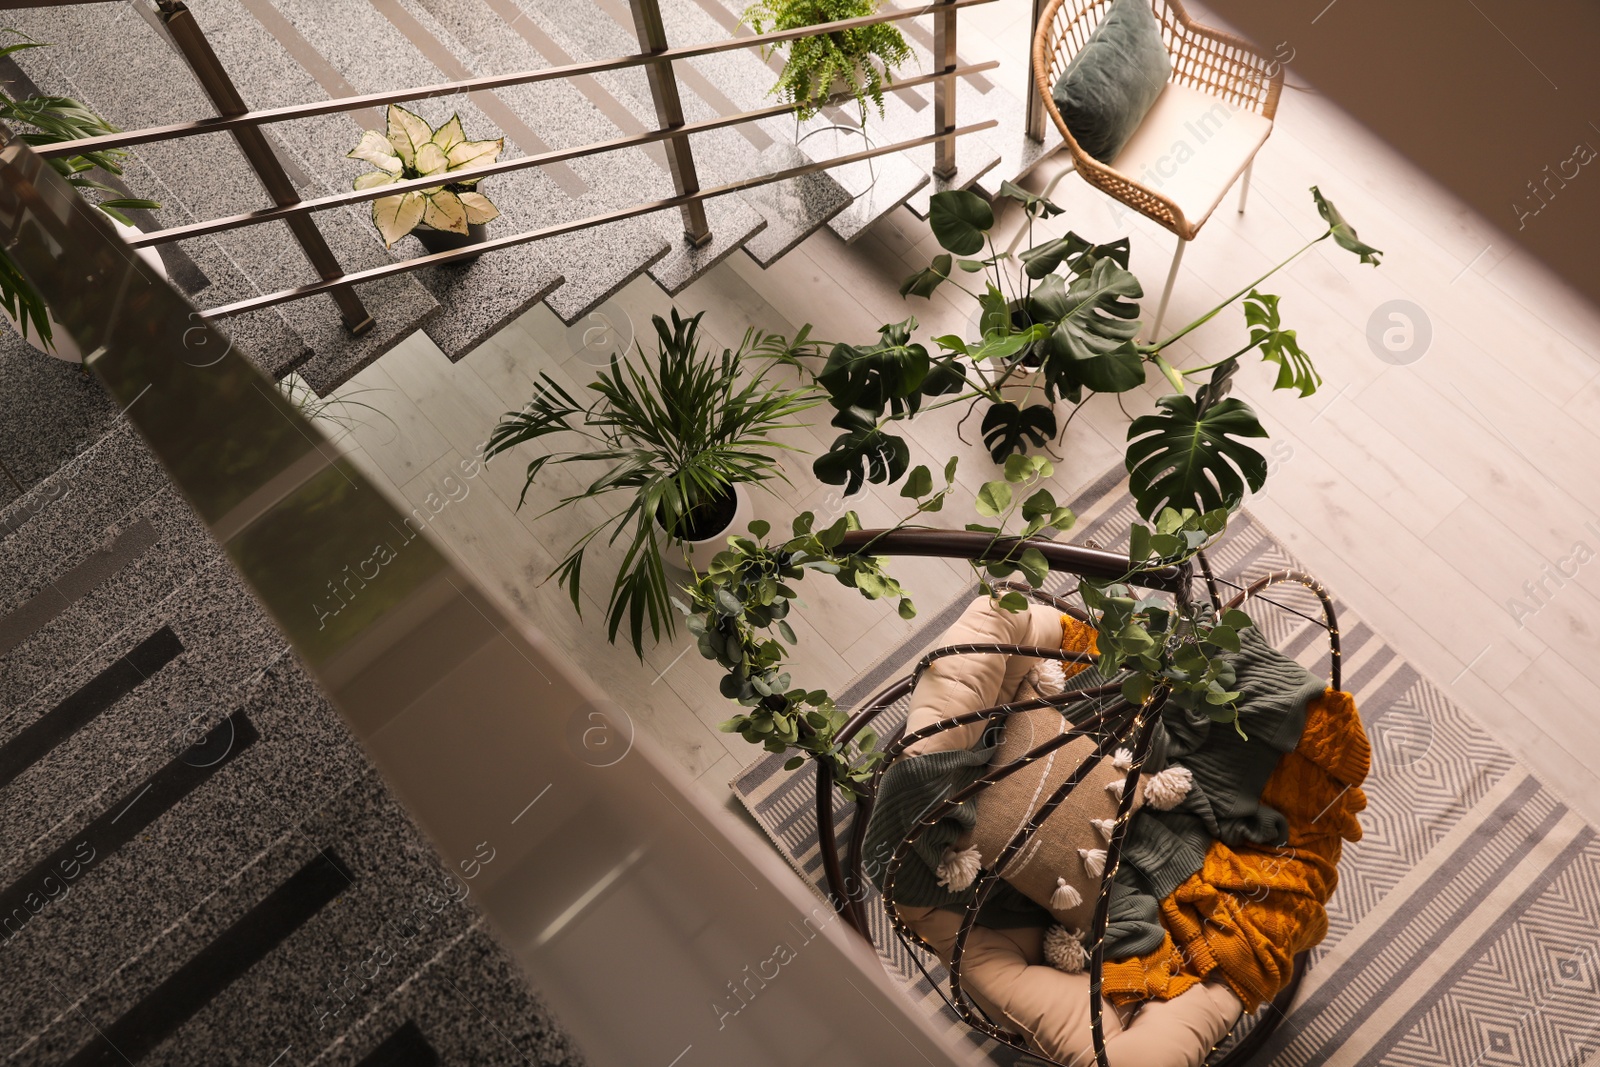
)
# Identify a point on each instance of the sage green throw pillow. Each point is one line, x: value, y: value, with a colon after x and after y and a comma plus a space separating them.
x: 1110, y: 85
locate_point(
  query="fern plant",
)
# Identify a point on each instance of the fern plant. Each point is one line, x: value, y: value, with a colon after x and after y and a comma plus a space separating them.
x: 863, y: 59
x: 45, y: 120
x: 674, y: 434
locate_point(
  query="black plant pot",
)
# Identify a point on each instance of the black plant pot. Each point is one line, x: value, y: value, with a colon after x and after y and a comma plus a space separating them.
x: 445, y: 241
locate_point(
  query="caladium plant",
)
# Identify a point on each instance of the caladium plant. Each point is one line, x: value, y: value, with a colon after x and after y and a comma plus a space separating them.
x: 413, y: 149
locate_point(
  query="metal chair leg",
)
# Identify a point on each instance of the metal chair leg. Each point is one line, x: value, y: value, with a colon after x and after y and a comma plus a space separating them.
x: 1244, y: 185
x: 1166, y: 294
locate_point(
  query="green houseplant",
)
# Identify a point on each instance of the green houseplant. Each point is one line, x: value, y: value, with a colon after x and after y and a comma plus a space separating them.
x: 1063, y: 318
x: 860, y: 61
x: 676, y: 435
x: 44, y: 120
x: 444, y: 217
x: 1073, y: 333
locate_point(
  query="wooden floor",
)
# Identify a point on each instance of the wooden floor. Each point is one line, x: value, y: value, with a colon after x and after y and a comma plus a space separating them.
x: 1452, y: 500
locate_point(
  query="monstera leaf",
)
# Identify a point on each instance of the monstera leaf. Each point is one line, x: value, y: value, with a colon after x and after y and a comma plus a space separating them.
x: 1008, y: 429
x: 1036, y: 206
x: 1190, y: 454
x: 889, y: 374
x: 1344, y: 235
x: 864, y: 453
x: 1079, y: 255
x: 1095, y: 321
x: 1278, y: 345
x: 960, y: 221
x: 926, y: 280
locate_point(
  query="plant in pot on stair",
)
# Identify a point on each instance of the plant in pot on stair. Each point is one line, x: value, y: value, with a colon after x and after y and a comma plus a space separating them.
x: 860, y: 62
x: 42, y: 120
x: 445, y: 217
x: 678, y: 435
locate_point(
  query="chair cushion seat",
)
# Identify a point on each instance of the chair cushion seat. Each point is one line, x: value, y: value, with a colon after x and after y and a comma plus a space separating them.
x: 1191, y: 147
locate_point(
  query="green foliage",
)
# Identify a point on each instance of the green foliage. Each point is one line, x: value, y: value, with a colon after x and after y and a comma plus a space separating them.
x: 1008, y: 429
x: 1343, y: 234
x: 862, y: 384
x: 1061, y: 319
x: 1189, y: 454
x: 1019, y: 491
x: 1277, y: 345
x: 673, y: 434
x: 44, y: 120
x: 738, y: 610
x: 1159, y: 642
x: 863, y: 59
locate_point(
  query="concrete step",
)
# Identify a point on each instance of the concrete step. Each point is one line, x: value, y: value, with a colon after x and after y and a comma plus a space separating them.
x: 393, y: 44
x: 205, y: 177
x: 173, y: 783
x: 53, y: 411
x: 307, y: 937
x: 791, y: 210
x: 497, y: 35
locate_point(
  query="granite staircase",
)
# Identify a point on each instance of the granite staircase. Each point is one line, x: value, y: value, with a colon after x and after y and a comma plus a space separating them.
x: 288, y: 51
x: 200, y: 866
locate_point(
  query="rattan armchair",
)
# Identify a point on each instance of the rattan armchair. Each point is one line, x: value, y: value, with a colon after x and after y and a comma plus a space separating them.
x: 1199, y: 138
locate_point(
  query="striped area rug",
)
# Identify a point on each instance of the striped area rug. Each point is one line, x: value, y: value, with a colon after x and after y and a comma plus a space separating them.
x: 1466, y: 926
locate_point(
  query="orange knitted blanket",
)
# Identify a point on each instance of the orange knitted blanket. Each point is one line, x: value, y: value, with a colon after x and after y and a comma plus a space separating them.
x: 1247, y: 913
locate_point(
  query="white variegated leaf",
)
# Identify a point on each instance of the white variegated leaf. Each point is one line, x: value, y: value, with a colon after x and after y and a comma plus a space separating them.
x: 407, y: 133
x: 479, y: 209
x: 431, y: 159
x: 446, y: 212
x: 396, y: 216
x: 475, y: 153
x: 373, y: 179
x: 374, y: 148
x: 450, y: 134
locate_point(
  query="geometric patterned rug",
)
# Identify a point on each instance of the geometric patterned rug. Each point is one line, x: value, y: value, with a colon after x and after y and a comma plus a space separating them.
x: 1465, y: 930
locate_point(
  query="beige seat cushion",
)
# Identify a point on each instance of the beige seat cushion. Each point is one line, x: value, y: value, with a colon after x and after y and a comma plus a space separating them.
x: 1003, y: 971
x: 957, y: 684
x: 1191, y: 148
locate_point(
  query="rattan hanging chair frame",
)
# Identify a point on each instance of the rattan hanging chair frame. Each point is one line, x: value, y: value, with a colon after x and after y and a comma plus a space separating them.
x: 1116, y: 724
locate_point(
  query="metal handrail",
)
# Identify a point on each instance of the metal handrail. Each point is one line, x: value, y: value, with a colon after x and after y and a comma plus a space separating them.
x: 283, y: 296
x: 218, y: 124
x: 506, y: 166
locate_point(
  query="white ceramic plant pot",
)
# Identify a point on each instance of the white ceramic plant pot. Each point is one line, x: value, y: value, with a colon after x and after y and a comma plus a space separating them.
x: 683, y: 558
x: 64, y: 348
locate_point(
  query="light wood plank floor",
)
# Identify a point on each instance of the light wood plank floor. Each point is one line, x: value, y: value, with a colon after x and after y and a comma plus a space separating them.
x: 1434, y: 496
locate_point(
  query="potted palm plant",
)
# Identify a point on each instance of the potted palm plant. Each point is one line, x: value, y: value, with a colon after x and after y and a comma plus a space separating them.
x: 678, y: 435
x: 444, y: 217
x: 860, y: 61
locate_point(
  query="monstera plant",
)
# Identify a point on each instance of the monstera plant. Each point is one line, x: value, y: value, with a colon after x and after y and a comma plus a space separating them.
x: 410, y: 148
x: 1057, y: 324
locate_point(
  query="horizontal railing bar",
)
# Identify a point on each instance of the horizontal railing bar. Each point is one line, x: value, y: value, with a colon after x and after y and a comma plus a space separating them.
x: 274, y: 214
x: 283, y: 296
x: 127, y: 139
